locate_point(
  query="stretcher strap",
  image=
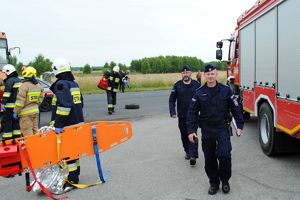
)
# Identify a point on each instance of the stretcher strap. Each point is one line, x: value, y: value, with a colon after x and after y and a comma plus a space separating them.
x: 79, y: 186
x: 58, y: 141
x: 96, y: 151
x: 29, y: 188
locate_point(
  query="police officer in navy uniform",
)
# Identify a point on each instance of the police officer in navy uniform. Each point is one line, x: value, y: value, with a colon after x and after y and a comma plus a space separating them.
x: 68, y: 109
x: 182, y: 92
x: 209, y: 109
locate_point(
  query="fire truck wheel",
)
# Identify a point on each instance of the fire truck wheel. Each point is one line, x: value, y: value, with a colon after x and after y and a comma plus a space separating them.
x: 267, y: 132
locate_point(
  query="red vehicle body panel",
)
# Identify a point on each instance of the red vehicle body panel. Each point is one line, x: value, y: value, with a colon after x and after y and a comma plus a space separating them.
x: 286, y: 111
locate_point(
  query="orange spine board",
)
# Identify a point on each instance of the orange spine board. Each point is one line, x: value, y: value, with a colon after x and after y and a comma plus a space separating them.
x: 76, y: 142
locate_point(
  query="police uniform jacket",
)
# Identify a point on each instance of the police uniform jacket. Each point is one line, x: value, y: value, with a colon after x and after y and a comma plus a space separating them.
x: 114, y: 81
x: 68, y: 104
x: 12, y: 85
x: 210, y: 107
x: 182, y: 93
x: 30, y: 96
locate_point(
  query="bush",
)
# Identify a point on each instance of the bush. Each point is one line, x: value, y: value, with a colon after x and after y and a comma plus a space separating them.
x: 87, y: 69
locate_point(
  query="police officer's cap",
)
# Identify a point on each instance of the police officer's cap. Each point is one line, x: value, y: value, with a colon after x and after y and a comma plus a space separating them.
x: 185, y: 68
x: 209, y: 68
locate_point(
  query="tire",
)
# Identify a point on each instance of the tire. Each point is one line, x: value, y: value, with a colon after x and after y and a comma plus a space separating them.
x: 267, y: 132
x: 132, y: 106
x: 46, y: 105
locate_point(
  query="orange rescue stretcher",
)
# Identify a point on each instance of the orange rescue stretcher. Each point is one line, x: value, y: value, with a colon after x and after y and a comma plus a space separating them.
x: 48, y: 148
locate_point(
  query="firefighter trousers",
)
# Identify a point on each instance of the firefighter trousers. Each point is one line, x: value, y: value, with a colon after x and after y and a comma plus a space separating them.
x: 29, y: 124
x: 11, y: 128
x: 74, y: 171
x: 111, y: 100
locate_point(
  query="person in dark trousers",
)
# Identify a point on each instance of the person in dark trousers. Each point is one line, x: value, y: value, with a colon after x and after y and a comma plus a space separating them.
x: 11, y: 128
x: 182, y: 92
x: 67, y: 110
x: 114, y: 82
x: 210, y: 109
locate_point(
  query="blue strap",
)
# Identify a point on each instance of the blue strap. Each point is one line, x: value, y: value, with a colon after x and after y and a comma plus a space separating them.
x: 96, y: 151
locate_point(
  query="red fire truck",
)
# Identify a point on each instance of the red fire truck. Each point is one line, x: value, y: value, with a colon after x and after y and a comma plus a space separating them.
x: 264, y: 62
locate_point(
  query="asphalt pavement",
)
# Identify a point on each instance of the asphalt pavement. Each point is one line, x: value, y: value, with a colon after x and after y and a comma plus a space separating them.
x: 151, y: 165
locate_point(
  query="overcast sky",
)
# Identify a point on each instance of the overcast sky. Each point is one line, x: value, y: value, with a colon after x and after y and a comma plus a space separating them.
x: 96, y: 31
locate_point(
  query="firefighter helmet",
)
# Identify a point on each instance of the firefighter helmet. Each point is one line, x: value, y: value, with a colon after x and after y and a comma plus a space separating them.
x: 116, y: 69
x: 8, y: 69
x: 29, y: 72
x: 61, y: 65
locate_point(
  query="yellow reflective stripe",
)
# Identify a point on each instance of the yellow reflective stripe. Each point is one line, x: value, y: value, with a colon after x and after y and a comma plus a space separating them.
x: 63, y: 111
x: 16, y: 85
x: 111, y: 78
x: 20, y: 103
x: 7, y: 135
x: 117, y: 80
x: 115, y: 90
x: 9, y: 105
x: 31, y: 111
x: 16, y: 132
x: 74, y: 89
x: 72, y: 167
x: 6, y: 94
x: 54, y: 100
x: 34, y: 93
x: 64, y: 69
x: 110, y: 106
x: 75, y: 93
x: 109, y: 88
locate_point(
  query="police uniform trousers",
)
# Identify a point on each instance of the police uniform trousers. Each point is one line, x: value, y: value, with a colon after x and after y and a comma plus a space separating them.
x: 111, y: 100
x: 190, y: 148
x: 29, y: 124
x: 11, y: 128
x: 217, y: 148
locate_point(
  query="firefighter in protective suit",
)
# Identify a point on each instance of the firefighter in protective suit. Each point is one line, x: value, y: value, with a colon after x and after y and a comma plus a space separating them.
x: 67, y: 109
x: 29, y: 97
x: 11, y: 128
x: 115, y: 79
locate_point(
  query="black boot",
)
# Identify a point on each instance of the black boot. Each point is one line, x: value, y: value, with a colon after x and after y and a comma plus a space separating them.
x: 225, y: 188
x: 213, y: 190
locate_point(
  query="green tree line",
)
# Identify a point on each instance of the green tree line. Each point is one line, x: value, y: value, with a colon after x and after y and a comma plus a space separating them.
x: 169, y: 64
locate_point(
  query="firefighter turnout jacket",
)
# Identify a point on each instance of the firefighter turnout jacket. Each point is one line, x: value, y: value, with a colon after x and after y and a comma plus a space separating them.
x: 67, y: 103
x: 29, y: 97
x: 114, y: 81
x: 12, y: 85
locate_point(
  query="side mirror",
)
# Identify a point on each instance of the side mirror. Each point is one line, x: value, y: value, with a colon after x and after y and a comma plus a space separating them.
x: 220, y: 44
x: 219, y: 54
